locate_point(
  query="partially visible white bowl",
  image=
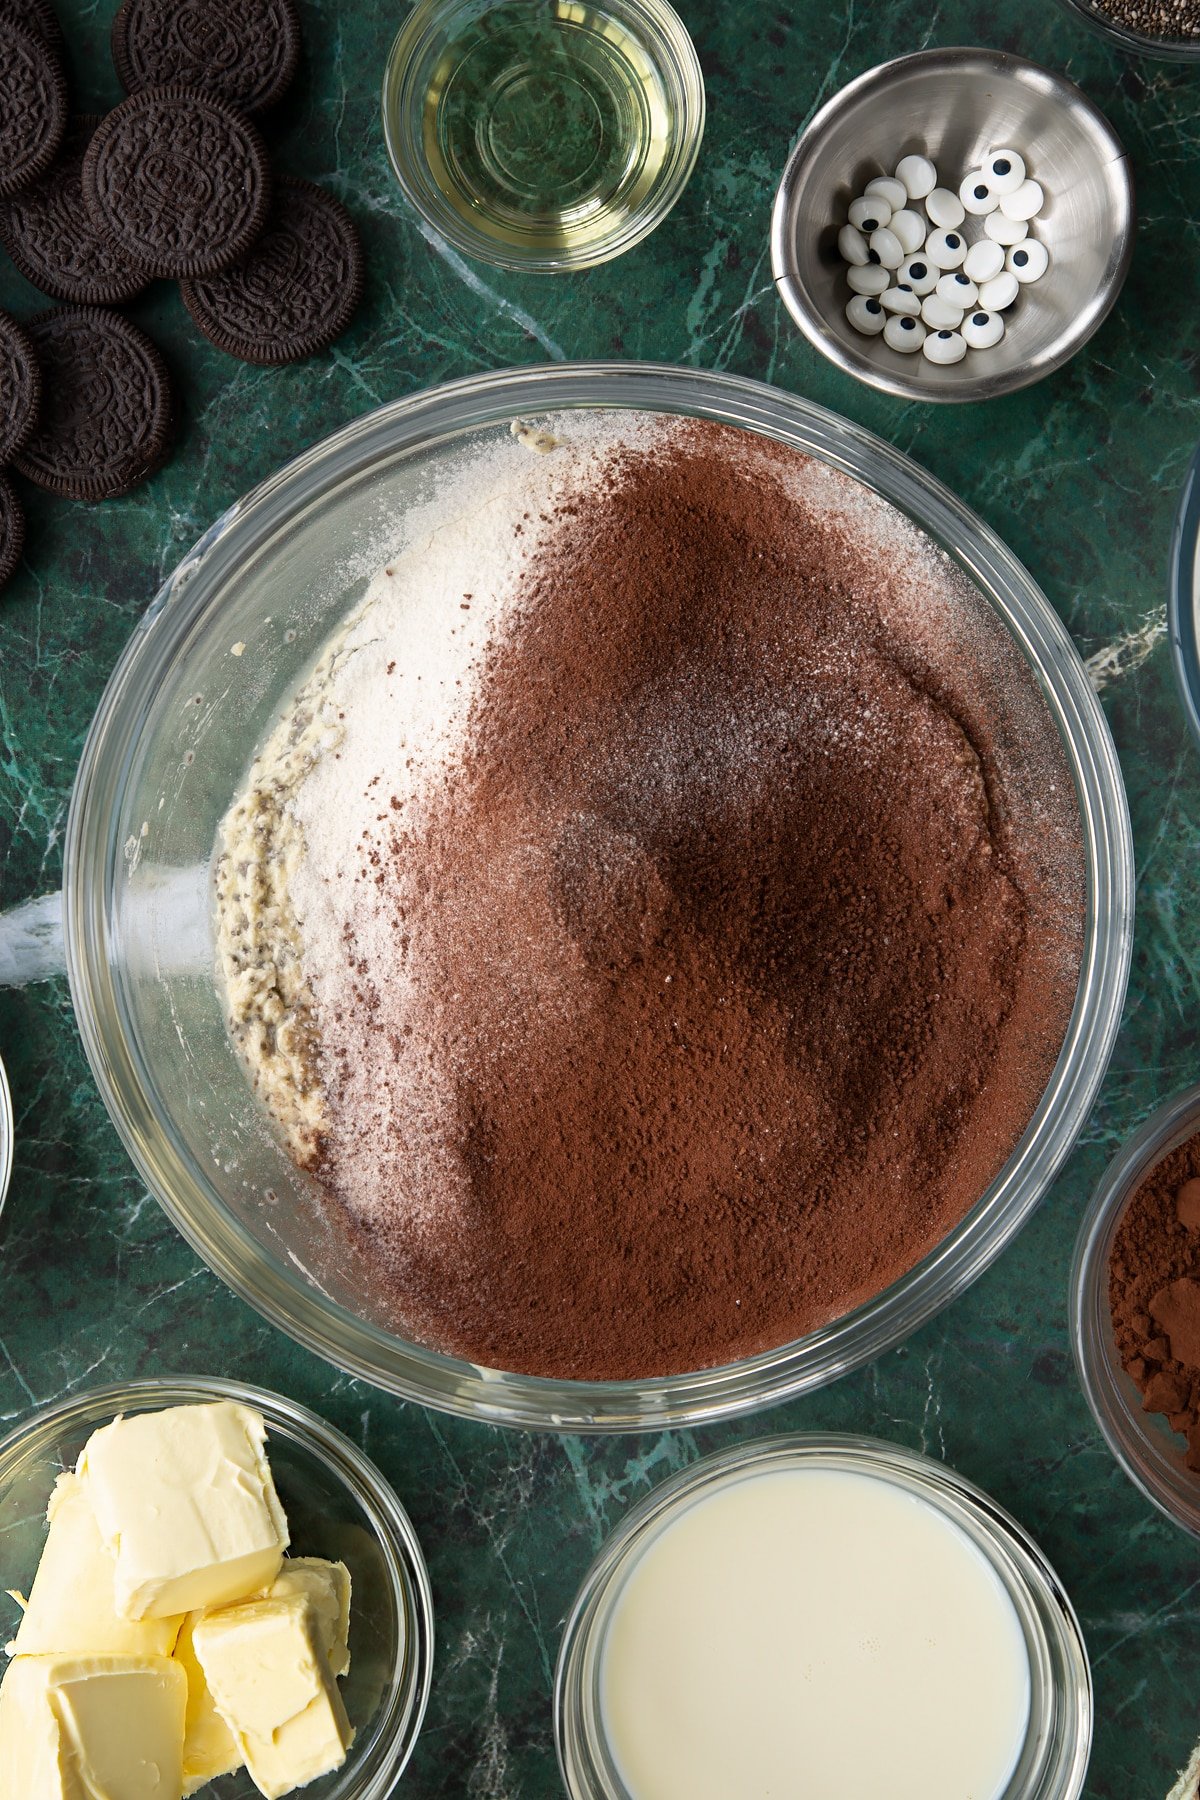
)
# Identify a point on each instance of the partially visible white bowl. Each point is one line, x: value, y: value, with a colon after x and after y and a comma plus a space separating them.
x: 6, y: 1136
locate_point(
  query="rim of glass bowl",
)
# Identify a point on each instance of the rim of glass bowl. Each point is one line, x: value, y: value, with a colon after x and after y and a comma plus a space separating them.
x: 400, y: 1725
x: 1183, y: 597
x: 93, y: 862
x: 1148, y: 1453
x: 1134, y: 43
x: 1054, y: 1761
x: 403, y: 100
x: 7, y: 1133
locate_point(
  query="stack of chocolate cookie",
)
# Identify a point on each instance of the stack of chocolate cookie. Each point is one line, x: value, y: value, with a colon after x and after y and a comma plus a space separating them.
x: 176, y: 183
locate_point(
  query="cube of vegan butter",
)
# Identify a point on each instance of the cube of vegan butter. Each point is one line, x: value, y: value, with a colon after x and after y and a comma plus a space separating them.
x: 326, y: 1586
x: 270, y: 1677
x: 92, y: 1728
x: 185, y: 1501
x: 72, y: 1607
x: 209, y: 1747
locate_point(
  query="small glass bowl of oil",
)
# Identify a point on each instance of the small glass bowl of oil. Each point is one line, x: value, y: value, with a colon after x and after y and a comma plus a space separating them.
x: 543, y: 134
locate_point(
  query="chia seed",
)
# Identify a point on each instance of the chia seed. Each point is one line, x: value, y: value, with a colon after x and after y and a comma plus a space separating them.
x: 1178, y: 19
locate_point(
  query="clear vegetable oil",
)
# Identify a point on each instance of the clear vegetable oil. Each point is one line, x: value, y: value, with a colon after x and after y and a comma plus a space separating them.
x: 546, y: 123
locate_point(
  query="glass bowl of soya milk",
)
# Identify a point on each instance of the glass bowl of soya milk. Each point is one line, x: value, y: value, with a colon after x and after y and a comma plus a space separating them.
x: 832, y: 1602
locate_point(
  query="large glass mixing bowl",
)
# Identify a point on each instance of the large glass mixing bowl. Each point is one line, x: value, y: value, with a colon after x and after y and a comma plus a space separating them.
x: 212, y: 664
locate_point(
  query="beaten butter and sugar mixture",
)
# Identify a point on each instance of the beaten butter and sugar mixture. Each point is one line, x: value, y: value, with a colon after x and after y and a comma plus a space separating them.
x: 658, y: 915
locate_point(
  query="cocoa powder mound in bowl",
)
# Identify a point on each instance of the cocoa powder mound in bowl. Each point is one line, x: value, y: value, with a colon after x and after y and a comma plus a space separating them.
x: 734, y: 948
x: 184, y: 719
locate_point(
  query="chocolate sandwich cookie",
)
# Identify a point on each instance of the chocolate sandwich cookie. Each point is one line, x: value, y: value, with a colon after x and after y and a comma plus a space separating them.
x: 177, y: 182
x: 243, y: 51
x: 106, y: 409
x: 297, y: 289
x: 49, y: 234
x: 20, y: 388
x: 33, y: 104
x: 12, y: 530
x: 38, y: 17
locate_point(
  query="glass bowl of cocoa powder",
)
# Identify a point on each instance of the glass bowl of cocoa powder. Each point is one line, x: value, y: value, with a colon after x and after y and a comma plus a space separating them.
x: 621, y: 1339
x: 1135, y: 1308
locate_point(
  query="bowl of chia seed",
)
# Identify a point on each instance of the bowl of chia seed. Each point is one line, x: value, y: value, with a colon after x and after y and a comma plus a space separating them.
x: 1166, y: 29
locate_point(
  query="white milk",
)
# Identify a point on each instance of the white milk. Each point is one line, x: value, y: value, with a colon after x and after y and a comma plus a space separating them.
x: 813, y: 1635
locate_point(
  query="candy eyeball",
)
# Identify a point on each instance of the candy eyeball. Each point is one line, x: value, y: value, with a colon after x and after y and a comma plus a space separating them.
x: 984, y: 259
x: 866, y: 315
x: 1028, y: 261
x: 894, y: 192
x: 910, y: 228
x: 940, y: 315
x: 948, y: 249
x: 999, y: 292
x: 976, y: 196
x: 904, y: 334
x: 886, y: 247
x: 901, y: 300
x: 944, y: 208
x: 982, y: 330
x: 957, y: 289
x: 916, y: 279
x: 944, y: 347
x: 918, y: 175
x: 1003, y: 230
x: 919, y: 273
x: 1025, y: 202
x: 1004, y: 171
x: 870, y: 213
x: 872, y: 279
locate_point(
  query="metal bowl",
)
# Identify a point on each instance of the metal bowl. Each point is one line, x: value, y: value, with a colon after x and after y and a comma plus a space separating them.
x: 954, y: 106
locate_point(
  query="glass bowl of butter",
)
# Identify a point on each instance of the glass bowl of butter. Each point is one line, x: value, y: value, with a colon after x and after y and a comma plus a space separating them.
x: 209, y: 1591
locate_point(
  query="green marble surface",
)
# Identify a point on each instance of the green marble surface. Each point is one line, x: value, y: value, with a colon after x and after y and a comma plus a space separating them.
x: 1080, y: 475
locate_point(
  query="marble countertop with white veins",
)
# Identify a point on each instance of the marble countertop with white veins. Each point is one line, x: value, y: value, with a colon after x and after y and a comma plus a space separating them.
x: 1080, y: 475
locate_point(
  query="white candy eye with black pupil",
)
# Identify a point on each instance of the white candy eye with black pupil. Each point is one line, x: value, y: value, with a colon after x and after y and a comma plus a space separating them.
x: 919, y: 274
x: 945, y: 249
x: 1004, y: 171
x: 1028, y: 261
x: 983, y: 330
